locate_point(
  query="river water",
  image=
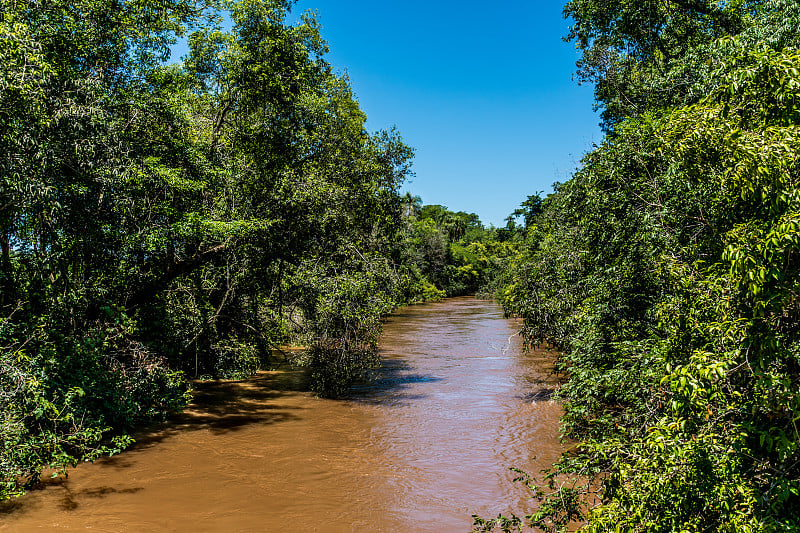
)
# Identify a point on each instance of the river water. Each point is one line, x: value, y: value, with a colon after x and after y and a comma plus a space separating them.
x: 420, y: 449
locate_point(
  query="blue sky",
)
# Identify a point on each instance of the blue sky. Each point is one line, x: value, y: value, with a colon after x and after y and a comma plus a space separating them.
x: 483, y: 92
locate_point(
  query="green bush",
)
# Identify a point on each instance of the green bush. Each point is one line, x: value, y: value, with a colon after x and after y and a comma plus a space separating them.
x: 64, y: 400
x: 333, y: 371
x: 235, y: 359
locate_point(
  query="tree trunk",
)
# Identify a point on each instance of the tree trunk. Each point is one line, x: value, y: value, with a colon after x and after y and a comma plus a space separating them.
x: 7, y: 289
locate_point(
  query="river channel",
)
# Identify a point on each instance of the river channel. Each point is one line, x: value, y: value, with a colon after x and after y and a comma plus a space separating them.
x: 420, y: 449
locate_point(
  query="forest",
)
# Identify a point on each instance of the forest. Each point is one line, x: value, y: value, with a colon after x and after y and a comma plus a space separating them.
x: 163, y: 222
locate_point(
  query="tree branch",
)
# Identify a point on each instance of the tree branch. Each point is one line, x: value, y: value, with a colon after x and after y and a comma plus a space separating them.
x: 172, y: 272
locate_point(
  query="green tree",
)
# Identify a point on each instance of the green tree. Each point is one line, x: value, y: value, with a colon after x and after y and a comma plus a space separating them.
x: 664, y: 272
x: 161, y: 218
x: 650, y: 54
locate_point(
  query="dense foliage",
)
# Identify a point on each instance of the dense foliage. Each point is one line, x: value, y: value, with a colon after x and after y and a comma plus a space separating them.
x: 666, y: 273
x: 163, y: 220
x: 446, y: 253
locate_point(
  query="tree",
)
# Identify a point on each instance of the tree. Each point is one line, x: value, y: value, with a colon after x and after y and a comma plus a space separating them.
x: 158, y: 219
x: 652, y: 54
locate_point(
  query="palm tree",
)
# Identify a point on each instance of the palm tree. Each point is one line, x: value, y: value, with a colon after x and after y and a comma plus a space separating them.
x: 411, y: 205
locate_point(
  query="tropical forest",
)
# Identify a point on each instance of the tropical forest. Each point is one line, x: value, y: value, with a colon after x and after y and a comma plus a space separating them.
x: 174, y: 229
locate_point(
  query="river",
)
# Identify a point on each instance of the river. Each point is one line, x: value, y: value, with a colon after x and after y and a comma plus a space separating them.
x: 420, y: 449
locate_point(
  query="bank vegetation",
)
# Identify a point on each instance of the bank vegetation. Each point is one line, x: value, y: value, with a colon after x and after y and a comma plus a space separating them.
x: 666, y: 271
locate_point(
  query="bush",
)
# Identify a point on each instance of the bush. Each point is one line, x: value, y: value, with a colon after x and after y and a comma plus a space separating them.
x: 333, y: 371
x: 235, y: 359
x: 64, y: 400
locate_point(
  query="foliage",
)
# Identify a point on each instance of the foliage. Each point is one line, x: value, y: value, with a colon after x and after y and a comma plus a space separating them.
x: 235, y: 359
x: 560, y: 506
x: 446, y: 253
x: 62, y: 398
x: 642, y: 56
x: 344, y: 307
x: 664, y: 271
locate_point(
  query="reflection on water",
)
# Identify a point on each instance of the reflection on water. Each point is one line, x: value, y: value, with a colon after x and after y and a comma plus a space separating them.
x: 420, y: 448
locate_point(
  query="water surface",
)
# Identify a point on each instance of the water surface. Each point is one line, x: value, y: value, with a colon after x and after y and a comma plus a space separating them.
x: 420, y: 449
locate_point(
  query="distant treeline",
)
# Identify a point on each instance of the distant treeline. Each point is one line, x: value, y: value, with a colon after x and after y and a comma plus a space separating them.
x: 163, y: 221
x: 667, y: 274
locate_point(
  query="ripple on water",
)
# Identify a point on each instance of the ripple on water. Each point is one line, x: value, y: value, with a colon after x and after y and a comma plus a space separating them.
x: 421, y: 448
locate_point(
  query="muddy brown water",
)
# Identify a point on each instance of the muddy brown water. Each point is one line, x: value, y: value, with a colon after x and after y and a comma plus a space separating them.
x: 420, y: 449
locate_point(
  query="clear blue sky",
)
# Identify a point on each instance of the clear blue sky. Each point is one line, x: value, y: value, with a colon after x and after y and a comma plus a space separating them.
x: 483, y: 92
